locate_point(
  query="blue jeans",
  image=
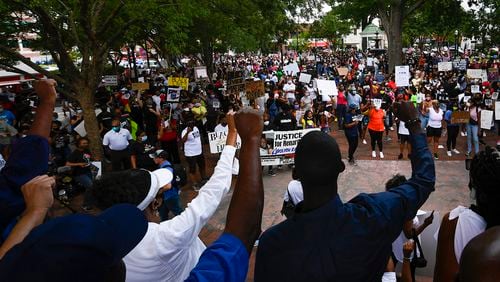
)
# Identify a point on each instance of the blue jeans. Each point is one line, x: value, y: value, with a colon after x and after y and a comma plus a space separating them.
x: 423, y: 121
x: 86, y: 181
x: 341, y: 110
x: 171, y: 204
x: 472, y: 131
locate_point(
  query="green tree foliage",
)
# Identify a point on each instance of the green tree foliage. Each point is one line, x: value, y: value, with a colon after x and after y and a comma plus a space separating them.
x: 331, y: 26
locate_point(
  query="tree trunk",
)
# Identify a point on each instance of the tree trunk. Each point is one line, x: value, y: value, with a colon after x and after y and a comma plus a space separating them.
x: 86, y: 100
x: 208, y: 57
x: 393, y: 26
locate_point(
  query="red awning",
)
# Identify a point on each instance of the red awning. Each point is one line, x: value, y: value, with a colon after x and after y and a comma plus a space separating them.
x: 320, y: 44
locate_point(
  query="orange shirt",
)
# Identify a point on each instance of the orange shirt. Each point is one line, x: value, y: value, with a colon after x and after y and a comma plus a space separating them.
x: 376, y: 122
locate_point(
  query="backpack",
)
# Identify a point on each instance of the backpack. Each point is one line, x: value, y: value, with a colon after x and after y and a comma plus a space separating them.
x: 288, y: 208
x: 180, y: 175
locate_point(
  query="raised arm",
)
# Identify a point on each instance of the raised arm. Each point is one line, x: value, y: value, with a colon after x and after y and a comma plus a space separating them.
x: 45, y: 89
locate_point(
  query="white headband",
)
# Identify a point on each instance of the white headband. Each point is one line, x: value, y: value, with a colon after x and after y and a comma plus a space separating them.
x: 159, y: 178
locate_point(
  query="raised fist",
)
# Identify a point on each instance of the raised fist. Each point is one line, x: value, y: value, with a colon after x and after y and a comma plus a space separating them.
x: 249, y: 123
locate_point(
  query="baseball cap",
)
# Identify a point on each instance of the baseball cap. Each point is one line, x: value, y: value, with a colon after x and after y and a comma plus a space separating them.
x: 77, y: 247
x: 159, y: 154
x: 159, y: 178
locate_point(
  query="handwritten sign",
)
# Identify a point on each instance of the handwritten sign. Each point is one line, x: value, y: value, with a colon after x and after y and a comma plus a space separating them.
x: 402, y: 76
x: 291, y: 69
x: 200, y: 72
x: 460, y: 64
x: 326, y: 88
x: 497, y: 110
x: 217, y: 141
x: 343, y: 71
x: 475, y: 73
x: 305, y: 78
x: 486, y: 119
x: 475, y: 89
x: 445, y: 66
x: 140, y: 86
x: 377, y: 103
x: 254, y: 89
x: 460, y: 117
x: 182, y: 82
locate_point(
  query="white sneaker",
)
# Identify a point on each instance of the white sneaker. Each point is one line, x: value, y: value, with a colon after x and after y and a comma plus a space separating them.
x: 374, y: 155
x: 364, y: 141
x: 448, y: 153
x: 456, y: 151
x: 391, y: 128
x: 381, y: 155
x: 462, y: 133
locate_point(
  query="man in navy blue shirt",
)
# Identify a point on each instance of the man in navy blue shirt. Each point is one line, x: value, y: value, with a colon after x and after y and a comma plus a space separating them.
x: 28, y: 159
x: 328, y: 240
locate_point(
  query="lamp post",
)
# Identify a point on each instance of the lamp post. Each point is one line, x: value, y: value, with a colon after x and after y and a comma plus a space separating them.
x: 456, y: 43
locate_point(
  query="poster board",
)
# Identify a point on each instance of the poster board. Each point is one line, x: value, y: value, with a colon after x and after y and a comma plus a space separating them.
x: 140, y: 86
x: 80, y: 129
x: 200, y: 72
x: 326, y: 87
x: 305, y: 78
x: 173, y: 95
x: 460, y: 117
x: 475, y: 89
x: 291, y: 69
x: 474, y: 73
x: 285, y: 142
x: 420, y: 98
x: 254, y: 89
x: 445, y: 66
x: 377, y: 103
x: 497, y: 110
x: 486, y: 119
x: 343, y: 71
x: 98, y: 167
x: 182, y: 82
x: 460, y: 64
x: 403, y: 76
x: 110, y: 80
x: 217, y: 141
x: 235, y: 86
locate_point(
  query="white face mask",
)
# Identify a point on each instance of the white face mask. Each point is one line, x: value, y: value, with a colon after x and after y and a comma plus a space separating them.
x: 266, y: 122
x: 276, y: 96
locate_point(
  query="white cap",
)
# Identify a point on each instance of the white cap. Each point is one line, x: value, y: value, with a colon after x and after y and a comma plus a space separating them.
x: 159, y: 178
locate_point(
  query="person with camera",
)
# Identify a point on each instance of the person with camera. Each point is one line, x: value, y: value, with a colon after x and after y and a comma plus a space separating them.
x: 80, y: 160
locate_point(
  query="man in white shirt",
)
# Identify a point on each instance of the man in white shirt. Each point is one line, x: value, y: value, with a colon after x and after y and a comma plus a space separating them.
x: 116, y: 141
x: 289, y: 89
x: 194, y: 152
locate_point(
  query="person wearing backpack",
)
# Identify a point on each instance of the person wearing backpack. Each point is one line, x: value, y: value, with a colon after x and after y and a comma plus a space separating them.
x: 171, y: 199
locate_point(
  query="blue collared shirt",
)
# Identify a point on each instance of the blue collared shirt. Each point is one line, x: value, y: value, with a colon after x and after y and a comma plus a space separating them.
x: 174, y: 191
x: 346, y: 241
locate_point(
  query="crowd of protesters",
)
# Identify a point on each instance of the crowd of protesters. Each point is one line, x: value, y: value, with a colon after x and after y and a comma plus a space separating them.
x: 148, y: 140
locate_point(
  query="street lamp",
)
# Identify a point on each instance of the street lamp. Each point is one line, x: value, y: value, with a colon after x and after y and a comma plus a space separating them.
x: 456, y: 43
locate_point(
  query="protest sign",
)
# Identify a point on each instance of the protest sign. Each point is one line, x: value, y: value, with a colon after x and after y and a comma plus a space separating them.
x: 377, y: 103
x: 305, y: 78
x: 488, y: 102
x: 445, y: 66
x: 270, y: 160
x: 492, y: 74
x: 110, y: 80
x: 98, y: 167
x: 486, y: 119
x: 326, y: 88
x: 494, y: 96
x: 254, y: 89
x: 460, y: 117
x: 141, y: 79
x: 475, y: 89
x: 466, y: 99
x: 173, y: 95
x: 285, y: 142
x: 235, y: 86
x: 291, y: 69
x: 80, y: 129
x: 200, y: 72
x: 497, y: 110
x: 140, y: 86
x: 402, y: 76
x: 460, y: 64
x: 343, y: 71
x: 460, y: 97
x: 369, y: 62
x: 182, y: 82
x: 420, y: 98
x: 217, y: 141
x: 475, y: 73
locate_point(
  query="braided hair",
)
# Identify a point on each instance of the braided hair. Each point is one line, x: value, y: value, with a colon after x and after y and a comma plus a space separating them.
x: 485, y: 182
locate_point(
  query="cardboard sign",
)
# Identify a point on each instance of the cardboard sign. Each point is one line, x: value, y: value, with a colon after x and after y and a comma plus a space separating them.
x: 460, y: 117
x: 305, y: 78
x: 291, y: 69
x: 475, y: 89
x: 254, y: 89
x: 182, y: 82
x: 173, y: 95
x: 285, y: 142
x: 445, y: 66
x: 217, y: 141
x: 343, y: 71
x: 402, y: 76
x: 140, y: 86
x: 327, y: 88
x: 497, y: 110
x: 200, y: 72
x: 110, y: 80
x: 486, y: 119
x: 236, y: 85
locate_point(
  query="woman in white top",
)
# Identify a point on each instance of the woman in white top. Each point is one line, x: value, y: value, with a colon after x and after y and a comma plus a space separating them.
x: 434, y: 126
x: 170, y: 249
x: 462, y: 224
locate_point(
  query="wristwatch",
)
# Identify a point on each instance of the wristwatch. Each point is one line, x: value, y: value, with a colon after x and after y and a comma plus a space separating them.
x: 411, y: 122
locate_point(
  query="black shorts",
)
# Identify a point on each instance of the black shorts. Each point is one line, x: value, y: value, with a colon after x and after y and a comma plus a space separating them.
x: 433, y: 132
x: 192, y: 161
x: 404, y: 138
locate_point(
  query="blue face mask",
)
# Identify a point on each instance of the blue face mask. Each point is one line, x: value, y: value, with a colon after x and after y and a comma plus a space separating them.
x: 144, y: 138
x: 116, y: 128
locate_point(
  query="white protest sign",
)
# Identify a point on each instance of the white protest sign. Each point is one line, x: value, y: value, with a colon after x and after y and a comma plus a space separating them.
x: 497, y: 110
x: 80, y: 129
x: 98, y: 166
x: 486, y: 119
x: 140, y: 79
x: 466, y: 99
x: 173, y: 95
x: 420, y: 98
x: 475, y: 73
x: 402, y: 76
x: 110, y: 80
x: 460, y: 97
x: 216, y: 104
x: 291, y: 69
x: 327, y: 88
x: 267, y: 161
x: 488, y: 102
x: 369, y: 62
x: 304, y: 77
x: 285, y: 142
x: 475, y: 89
x: 494, y: 96
x: 377, y: 103
x: 200, y: 72
x: 445, y: 66
x: 217, y: 141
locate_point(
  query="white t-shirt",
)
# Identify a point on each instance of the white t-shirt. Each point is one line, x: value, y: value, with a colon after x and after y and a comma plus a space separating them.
x: 435, y: 118
x: 221, y: 128
x: 402, y: 128
x: 171, y: 249
x: 397, y: 245
x: 295, y: 190
x: 289, y: 87
x: 117, y: 141
x: 192, y: 146
x: 469, y: 225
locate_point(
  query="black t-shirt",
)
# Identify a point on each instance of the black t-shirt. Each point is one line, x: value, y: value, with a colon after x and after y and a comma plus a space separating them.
x: 105, y: 119
x: 150, y: 121
x: 80, y: 157
x: 141, y: 152
x: 285, y: 122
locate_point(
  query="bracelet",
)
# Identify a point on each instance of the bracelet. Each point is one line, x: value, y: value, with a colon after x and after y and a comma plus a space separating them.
x: 411, y: 122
